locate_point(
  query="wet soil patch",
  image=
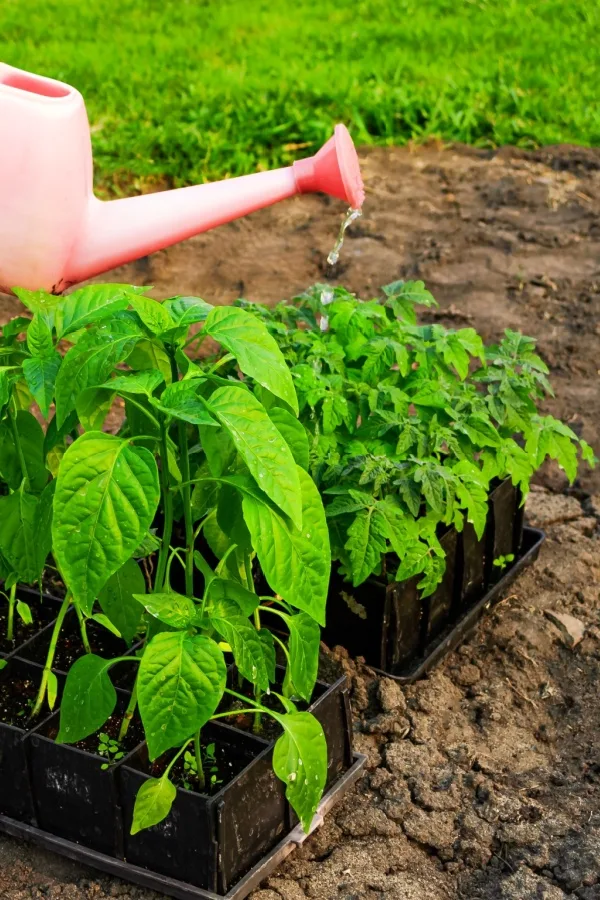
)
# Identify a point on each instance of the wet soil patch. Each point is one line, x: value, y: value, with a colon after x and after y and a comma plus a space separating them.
x: 18, y: 693
x: 70, y: 645
x: 42, y: 613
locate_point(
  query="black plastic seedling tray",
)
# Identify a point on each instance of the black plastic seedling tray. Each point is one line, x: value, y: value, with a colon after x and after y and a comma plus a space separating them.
x: 403, y: 635
x: 450, y: 639
x: 178, y: 889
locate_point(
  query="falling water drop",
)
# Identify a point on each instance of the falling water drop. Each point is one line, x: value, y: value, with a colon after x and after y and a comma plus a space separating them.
x: 351, y: 216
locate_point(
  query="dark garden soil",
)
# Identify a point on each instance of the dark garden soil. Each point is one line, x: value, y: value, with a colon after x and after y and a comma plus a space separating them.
x: 70, y: 646
x: 484, y: 779
x: 42, y: 615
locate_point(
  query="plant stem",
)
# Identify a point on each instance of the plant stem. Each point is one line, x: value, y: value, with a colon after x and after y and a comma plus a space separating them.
x: 12, y: 602
x: 199, y: 766
x: 128, y: 713
x: 168, y: 510
x: 17, y: 440
x: 257, y: 727
x: 51, y: 651
x: 83, y: 630
x: 186, y: 498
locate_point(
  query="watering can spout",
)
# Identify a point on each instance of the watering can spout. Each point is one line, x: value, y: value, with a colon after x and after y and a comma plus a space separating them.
x: 54, y: 232
x: 119, y: 231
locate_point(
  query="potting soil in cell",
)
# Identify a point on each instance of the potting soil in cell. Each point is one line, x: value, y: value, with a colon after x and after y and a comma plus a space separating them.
x: 17, y: 698
x: 42, y: 614
x: 229, y: 762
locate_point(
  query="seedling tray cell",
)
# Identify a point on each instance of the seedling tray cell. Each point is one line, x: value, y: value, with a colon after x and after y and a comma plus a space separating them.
x: 170, y: 886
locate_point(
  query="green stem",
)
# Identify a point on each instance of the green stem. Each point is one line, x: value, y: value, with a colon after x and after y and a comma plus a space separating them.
x: 83, y: 630
x: 168, y: 510
x: 12, y: 602
x: 17, y: 440
x: 234, y: 712
x: 51, y: 652
x: 199, y: 766
x: 186, y: 498
x: 225, y: 359
x: 128, y: 713
x: 146, y: 412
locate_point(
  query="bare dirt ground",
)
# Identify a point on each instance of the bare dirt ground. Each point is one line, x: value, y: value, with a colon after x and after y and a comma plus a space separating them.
x: 484, y: 779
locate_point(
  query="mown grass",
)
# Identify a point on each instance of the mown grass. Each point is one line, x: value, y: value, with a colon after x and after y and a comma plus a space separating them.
x: 186, y: 90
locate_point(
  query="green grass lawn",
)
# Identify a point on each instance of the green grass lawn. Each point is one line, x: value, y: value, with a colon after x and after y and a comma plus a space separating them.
x: 195, y: 89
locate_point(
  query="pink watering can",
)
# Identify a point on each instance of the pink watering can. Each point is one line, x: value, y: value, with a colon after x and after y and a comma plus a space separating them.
x: 54, y: 232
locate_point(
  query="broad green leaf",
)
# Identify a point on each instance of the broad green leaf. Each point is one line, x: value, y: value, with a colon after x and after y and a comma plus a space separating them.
x: 149, y: 544
x: 40, y: 374
x: 5, y: 383
x: 150, y: 354
x: 31, y: 439
x: 39, y: 337
x: 219, y: 449
x: 403, y: 296
x: 222, y: 589
x: 88, y: 699
x: 293, y: 433
x: 144, y: 382
x: 180, y: 684
x: 186, y: 311
x: 153, y: 803
x: 181, y: 401
x: 261, y: 446
x: 88, y: 364
x: 247, y: 648
x: 116, y: 599
x: 92, y: 406
x: 172, y: 609
x: 304, y: 647
x: 367, y: 542
x: 14, y: 328
x: 300, y: 761
x: 40, y: 302
x: 256, y: 352
x: 106, y: 497
x: 90, y: 304
x: 296, y: 563
x: 18, y: 513
x: 480, y: 431
x: 152, y: 313
x: 414, y: 561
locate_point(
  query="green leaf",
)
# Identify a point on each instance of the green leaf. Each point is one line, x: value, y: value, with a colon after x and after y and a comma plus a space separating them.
x: 222, y: 589
x: 40, y: 374
x: 150, y: 354
x: 91, y: 304
x: 472, y: 493
x: 116, y: 599
x: 18, y: 513
x: 88, y: 699
x: 144, y: 382
x: 247, y: 648
x: 256, y: 352
x: 219, y: 449
x: 105, y: 622
x: 186, y: 311
x: 180, y: 684
x: 31, y: 439
x: 172, y: 609
x: 403, y: 296
x: 366, y: 544
x: 153, y: 803
x: 88, y: 364
x: 24, y: 611
x: 300, y: 761
x: 52, y: 689
x: 152, y: 313
x: 293, y: 433
x: 181, y: 400
x: 261, y: 446
x: 304, y: 647
x: 150, y: 543
x: 42, y: 526
x: 39, y: 302
x: 296, y: 563
x: 480, y: 431
x: 92, y: 406
x: 106, y: 497
x: 39, y: 337
x: 414, y: 561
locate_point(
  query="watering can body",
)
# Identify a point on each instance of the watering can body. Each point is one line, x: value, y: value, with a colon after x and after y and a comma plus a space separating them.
x: 54, y: 232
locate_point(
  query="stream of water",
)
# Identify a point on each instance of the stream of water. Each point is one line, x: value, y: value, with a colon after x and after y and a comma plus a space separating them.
x: 351, y: 217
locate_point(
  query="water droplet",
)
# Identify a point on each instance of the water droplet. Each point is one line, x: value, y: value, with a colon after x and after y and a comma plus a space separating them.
x: 299, y: 762
x: 292, y: 776
x: 351, y: 216
x: 308, y: 536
